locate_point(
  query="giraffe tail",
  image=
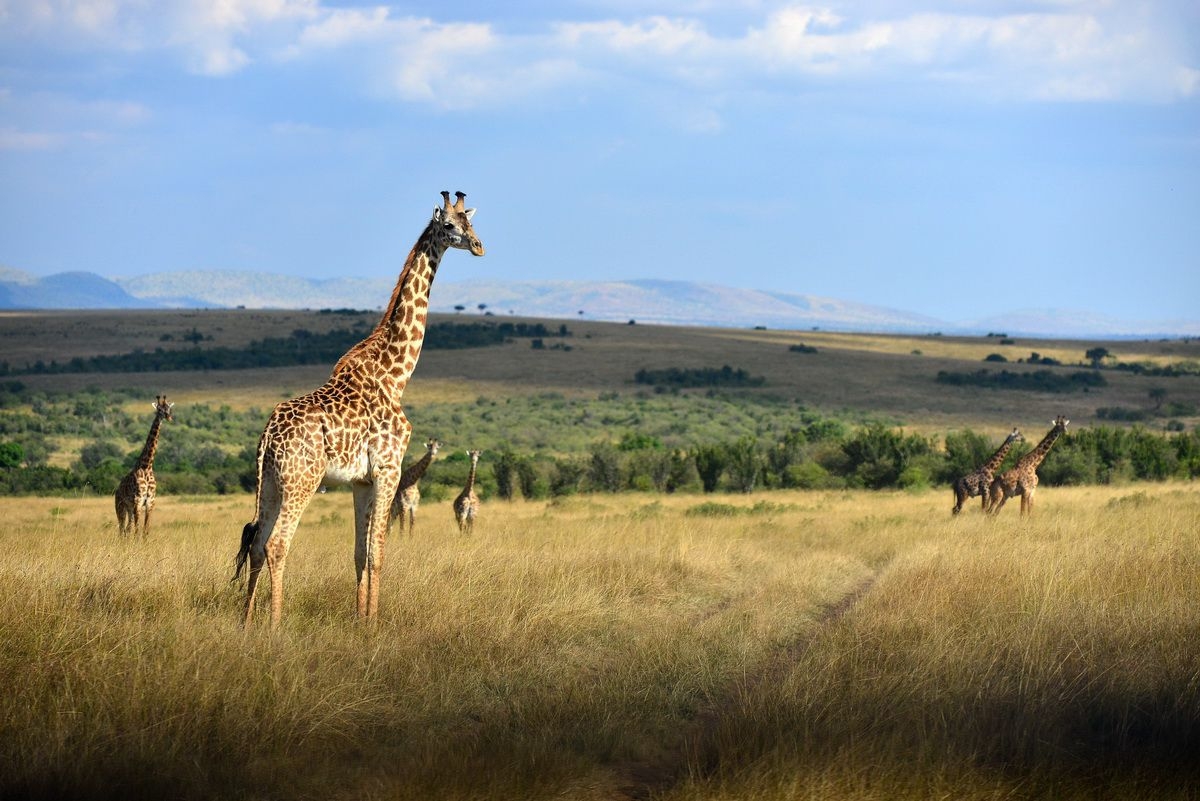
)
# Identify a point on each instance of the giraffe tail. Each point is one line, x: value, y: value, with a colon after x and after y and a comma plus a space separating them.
x: 251, y: 529
x: 248, y: 535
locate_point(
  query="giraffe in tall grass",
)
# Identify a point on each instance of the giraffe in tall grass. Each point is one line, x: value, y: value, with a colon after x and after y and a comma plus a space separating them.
x: 408, y: 496
x: 1022, y: 478
x: 352, y: 429
x: 135, y: 493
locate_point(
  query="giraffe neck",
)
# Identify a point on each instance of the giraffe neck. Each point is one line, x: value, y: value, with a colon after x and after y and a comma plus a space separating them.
x: 396, y: 342
x: 146, y: 460
x: 1035, y: 457
x: 998, y: 457
x: 471, y: 475
x: 413, y: 474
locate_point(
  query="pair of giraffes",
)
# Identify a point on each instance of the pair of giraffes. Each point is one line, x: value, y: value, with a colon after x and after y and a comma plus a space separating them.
x: 1021, y: 479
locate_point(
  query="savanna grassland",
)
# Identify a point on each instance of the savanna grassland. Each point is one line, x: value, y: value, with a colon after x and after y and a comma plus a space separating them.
x: 776, y: 644
x: 857, y: 645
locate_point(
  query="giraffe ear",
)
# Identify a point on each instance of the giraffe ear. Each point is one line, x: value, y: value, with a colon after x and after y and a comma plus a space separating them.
x: 470, y: 213
x: 437, y: 213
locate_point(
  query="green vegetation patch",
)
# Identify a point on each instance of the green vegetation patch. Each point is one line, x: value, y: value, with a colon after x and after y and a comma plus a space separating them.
x: 1036, y: 381
x: 724, y: 376
x: 299, y: 348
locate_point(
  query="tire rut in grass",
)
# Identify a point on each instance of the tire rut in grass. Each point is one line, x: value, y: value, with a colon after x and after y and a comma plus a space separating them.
x: 694, y: 753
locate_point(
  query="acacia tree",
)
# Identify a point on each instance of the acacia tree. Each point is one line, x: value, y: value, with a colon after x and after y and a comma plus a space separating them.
x: 1096, y: 355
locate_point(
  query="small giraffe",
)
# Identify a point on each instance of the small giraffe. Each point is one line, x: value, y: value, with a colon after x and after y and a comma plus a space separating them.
x: 1022, y: 478
x: 466, y: 505
x: 408, y: 496
x: 979, y: 481
x: 352, y: 429
x: 136, y: 490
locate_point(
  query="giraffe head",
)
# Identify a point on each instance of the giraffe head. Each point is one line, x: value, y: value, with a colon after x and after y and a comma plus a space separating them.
x: 1016, y: 436
x: 1060, y: 424
x: 452, y: 224
x: 163, y: 409
x: 432, y: 446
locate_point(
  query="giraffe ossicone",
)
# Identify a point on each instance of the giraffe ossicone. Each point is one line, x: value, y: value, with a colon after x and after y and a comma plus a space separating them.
x: 351, y: 429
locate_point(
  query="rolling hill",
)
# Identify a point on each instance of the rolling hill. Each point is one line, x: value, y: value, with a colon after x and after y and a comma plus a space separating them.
x: 643, y: 300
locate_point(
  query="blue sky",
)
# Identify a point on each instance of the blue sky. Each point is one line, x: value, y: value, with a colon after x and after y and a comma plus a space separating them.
x: 956, y: 159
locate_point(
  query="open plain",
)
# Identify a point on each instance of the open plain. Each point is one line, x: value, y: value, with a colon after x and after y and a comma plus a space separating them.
x: 779, y: 644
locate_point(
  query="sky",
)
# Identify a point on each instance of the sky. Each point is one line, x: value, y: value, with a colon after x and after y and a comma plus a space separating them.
x: 954, y: 159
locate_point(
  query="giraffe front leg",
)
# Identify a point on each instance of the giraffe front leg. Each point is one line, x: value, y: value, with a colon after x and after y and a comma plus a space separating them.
x: 146, y: 517
x: 377, y: 535
x: 362, y: 549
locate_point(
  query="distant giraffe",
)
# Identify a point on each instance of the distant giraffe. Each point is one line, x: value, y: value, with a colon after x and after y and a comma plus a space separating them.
x: 136, y: 491
x: 466, y: 505
x: 408, y: 495
x: 979, y: 481
x: 1022, y: 478
x: 351, y: 429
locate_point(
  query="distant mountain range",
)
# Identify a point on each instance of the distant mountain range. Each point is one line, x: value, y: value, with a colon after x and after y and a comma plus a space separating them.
x: 646, y: 301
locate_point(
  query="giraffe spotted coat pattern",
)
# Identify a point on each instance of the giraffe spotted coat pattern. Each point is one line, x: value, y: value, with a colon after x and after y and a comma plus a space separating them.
x: 352, y: 429
x: 1022, y: 478
x: 979, y: 481
x: 408, y: 496
x: 466, y: 505
x: 134, y: 498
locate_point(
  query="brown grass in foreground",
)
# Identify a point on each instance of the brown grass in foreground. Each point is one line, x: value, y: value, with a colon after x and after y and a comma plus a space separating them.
x: 615, y: 647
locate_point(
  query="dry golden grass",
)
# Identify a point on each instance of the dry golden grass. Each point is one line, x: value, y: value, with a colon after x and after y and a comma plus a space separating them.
x: 614, y: 647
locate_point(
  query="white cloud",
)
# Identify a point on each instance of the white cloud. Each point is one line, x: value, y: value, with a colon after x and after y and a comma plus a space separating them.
x: 1073, y: 50
x: 655, y: 35
x: 342, y: 27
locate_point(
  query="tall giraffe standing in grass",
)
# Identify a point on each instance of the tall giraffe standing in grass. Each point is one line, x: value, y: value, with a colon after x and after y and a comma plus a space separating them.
x: 136, y: 491
x: 351, y: 429
x: 1022, y: 478
x: 408, y: 496
x: 466, y: 505
x: 979, y: 480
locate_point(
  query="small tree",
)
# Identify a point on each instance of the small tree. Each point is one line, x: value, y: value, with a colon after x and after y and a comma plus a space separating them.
x: 1158, y: 395
x: 604, y: 470
x: 744, y: 463
x: 1096, y: 355
x: 11, y: 454
x: 710, y: 464
x: 505, y: 468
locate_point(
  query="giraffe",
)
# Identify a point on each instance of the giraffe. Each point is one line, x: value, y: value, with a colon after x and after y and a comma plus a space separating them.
x: 352, y: 429
x: 979, y: 481
x: 466, y: 505
x: 136, y: 490
x: 1022, y: 478
x: 408, y: 496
